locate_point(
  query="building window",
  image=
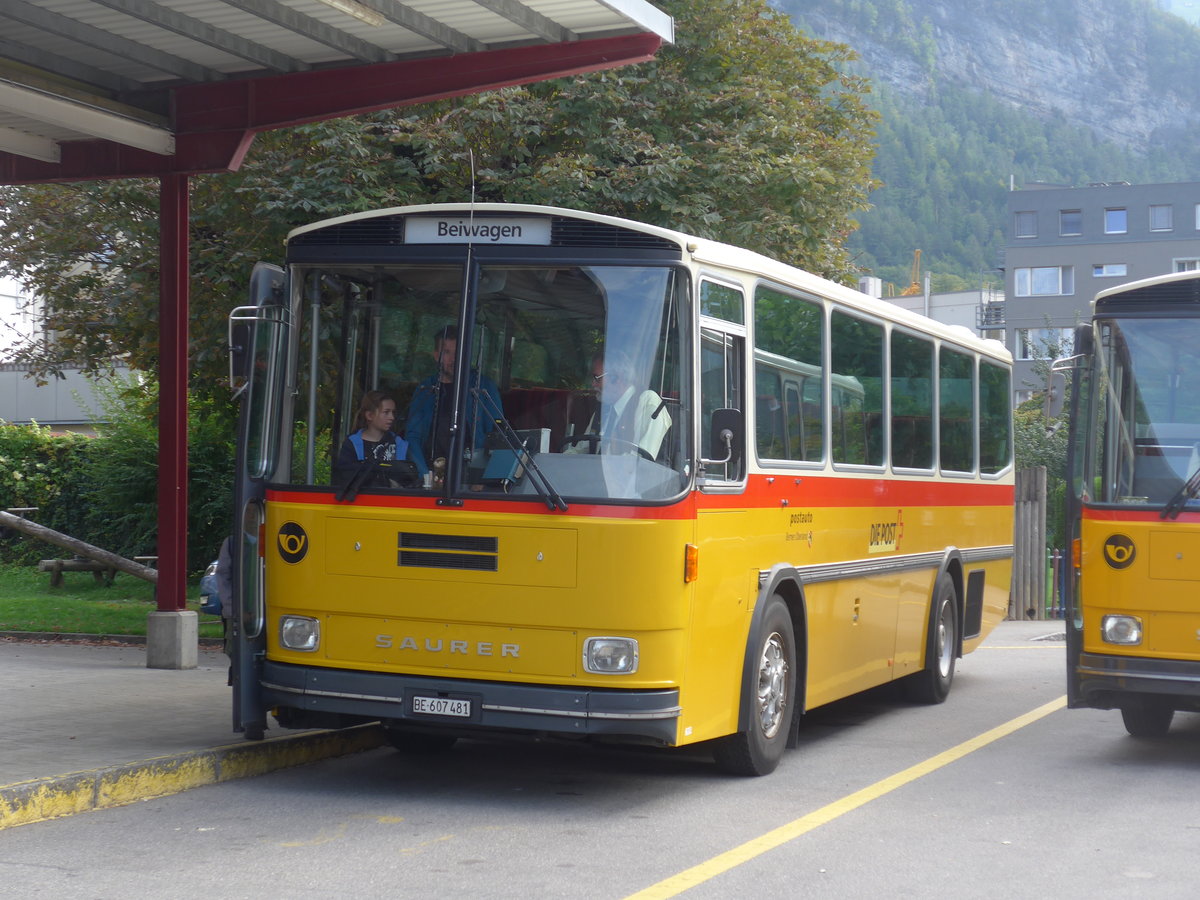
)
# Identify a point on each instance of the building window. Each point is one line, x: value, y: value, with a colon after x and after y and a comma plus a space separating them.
x: 1025, y: 225
x: 1115, y: 221
x: 1161, y: 218
x: 1110, y: 270
x: 1045, y: 343
x: 1070, y: 222
x: 1198, y: 216
x: 1044, y: 281
x: 1187, y: 265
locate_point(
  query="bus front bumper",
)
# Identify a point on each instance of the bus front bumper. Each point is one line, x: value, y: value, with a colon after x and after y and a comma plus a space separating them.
x: 1104, y: 679
x: 480, y: 705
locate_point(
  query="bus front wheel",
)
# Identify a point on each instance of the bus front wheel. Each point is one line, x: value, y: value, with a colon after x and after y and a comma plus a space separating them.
x: 932, y: 684
x: 1147, y: 716
x: 758, y: 749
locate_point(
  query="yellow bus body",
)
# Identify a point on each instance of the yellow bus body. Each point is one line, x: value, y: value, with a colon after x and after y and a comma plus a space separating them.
x: 560, y: 578
x: 1157, y: 579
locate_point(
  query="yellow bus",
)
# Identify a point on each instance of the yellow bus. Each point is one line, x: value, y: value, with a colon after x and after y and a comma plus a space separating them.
x: 647, y: 488
x: 1132, y: 607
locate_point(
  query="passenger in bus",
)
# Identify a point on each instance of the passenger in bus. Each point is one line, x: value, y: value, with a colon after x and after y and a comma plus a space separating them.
x: 429, y: 414
x: 626, y: 419
x: 374, y: 440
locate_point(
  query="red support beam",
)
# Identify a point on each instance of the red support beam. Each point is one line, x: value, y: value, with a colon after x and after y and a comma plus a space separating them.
x: 215, y: 122
x: 278, y: 101
x: 172, y: 393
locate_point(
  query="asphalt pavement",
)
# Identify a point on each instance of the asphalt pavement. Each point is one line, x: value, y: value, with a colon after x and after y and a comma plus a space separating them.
x: 88, y: 726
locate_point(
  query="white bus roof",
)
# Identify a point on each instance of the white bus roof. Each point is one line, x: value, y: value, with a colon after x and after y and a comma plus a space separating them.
x: 705, y: 251
x: 1157, y: 287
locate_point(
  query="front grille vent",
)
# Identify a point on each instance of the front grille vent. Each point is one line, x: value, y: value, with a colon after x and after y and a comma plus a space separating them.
x: 385, y: 230
x: 581, y: 233
x: 448, y: 551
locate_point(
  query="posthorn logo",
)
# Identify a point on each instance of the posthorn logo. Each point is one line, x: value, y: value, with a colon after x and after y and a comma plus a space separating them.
x: 293, y: 542
x: 1119, y: 551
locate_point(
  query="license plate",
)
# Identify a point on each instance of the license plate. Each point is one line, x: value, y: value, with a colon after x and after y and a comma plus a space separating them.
x: 442, y: 706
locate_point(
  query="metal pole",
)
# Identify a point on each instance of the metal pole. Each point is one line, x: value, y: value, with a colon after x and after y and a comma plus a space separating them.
x: 172, y: 393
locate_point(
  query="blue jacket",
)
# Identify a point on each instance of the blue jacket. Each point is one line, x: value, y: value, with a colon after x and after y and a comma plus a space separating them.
x: 351, y: 454
x: 420, y: 416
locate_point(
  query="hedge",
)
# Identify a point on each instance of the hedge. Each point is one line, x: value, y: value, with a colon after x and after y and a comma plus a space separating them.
x: 103, y: 489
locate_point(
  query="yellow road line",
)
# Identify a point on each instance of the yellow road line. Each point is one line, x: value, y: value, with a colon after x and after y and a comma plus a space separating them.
x: 1045, y: 645
x: 677, y: 884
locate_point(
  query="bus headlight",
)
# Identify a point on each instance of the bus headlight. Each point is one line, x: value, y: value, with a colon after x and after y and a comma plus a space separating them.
x: 299, y: 633
x: 1121, y: 629
x: 610, y: 655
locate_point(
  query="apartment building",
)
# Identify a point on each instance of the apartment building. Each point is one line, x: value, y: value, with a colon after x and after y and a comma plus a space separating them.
x: 1066, y: 244
x: 66, y: 403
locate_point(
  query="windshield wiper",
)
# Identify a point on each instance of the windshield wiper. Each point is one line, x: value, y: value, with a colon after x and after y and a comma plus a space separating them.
x: 1187, y: 491
x: 365, y: 471
x: 537, y: 478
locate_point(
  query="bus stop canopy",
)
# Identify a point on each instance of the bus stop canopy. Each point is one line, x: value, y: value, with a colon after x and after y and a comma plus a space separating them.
x: 115, y: 88
x: 94, y: 89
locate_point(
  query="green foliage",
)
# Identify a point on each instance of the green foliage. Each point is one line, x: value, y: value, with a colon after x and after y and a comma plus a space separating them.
x: 103, y: 490
x: 36, y: 466
x: 1041, y: 443
x: 744, y: 130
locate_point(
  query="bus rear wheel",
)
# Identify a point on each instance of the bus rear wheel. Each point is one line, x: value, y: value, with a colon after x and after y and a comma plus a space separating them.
x: 1147, y: 716
x: 932, y: 684
x: 758, y: 749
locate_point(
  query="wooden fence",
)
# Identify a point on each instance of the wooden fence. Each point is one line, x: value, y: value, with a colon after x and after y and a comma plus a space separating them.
x: 1028, y: 598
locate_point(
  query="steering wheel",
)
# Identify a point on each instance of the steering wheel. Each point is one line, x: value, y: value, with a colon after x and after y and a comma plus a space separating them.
x: 595, y: 439
x: 572, y: 440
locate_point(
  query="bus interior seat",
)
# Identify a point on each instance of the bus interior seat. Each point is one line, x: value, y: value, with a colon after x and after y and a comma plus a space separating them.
x: 563, y: 411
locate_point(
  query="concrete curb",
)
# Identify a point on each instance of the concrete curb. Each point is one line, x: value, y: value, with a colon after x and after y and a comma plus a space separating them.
x: 63, y: 795
x: 204, y: 643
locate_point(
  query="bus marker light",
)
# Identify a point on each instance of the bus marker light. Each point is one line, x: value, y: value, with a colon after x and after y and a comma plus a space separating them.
x: 299, y: 633
x: 691, y: 563
x: 610, y: 655
x: 1121, y: 629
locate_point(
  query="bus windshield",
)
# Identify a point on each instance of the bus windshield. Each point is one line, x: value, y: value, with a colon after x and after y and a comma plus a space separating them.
x: 573, y: 382
x: 1147, y: 411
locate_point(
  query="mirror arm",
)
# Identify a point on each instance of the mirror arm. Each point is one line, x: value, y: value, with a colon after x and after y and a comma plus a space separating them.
x: 727, y: 437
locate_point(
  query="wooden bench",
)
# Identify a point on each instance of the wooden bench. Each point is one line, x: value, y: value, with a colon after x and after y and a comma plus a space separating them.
x: 56, y: 567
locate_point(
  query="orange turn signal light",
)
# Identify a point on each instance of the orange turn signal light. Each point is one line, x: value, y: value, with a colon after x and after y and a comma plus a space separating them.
x: 691, y: 563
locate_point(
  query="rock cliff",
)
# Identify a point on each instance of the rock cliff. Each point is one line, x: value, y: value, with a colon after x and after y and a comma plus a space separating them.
x: 1125, y: 69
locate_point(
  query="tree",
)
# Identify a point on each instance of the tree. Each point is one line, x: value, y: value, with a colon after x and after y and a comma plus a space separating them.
x: 743, y: 131
x: 1041, y: 442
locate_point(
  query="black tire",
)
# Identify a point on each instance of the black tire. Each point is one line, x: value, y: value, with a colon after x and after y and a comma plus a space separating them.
x: 418, y: 743
x: 932, y: 684
x: 1148, y: 717
x: 770, y: 700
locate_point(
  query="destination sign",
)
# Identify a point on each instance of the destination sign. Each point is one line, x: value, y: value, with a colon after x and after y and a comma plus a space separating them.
x: 465, y: 230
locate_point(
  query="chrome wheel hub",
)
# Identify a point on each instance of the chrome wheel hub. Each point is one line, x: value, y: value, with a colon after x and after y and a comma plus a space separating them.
x: 772, y: 686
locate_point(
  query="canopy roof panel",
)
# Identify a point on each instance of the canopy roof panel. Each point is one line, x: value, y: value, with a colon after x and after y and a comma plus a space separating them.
x: 112, y: 88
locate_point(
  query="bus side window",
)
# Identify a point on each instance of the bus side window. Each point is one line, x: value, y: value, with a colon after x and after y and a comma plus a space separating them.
x: 769, y: 414
x: 856, y: 350
x: 912, y: 401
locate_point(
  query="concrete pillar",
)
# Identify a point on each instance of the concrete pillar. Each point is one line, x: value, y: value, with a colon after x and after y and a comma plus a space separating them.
x: 172, y: 639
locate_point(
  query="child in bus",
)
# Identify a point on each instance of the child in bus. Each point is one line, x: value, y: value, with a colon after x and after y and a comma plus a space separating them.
x: 373, y: 439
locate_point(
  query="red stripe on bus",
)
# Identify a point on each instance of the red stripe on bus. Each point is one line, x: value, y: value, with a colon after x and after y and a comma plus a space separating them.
x: 1130, y: 515
x: 762, y: 492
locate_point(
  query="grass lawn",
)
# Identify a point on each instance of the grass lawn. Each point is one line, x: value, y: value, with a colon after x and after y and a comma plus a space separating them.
x: 82, y: 605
